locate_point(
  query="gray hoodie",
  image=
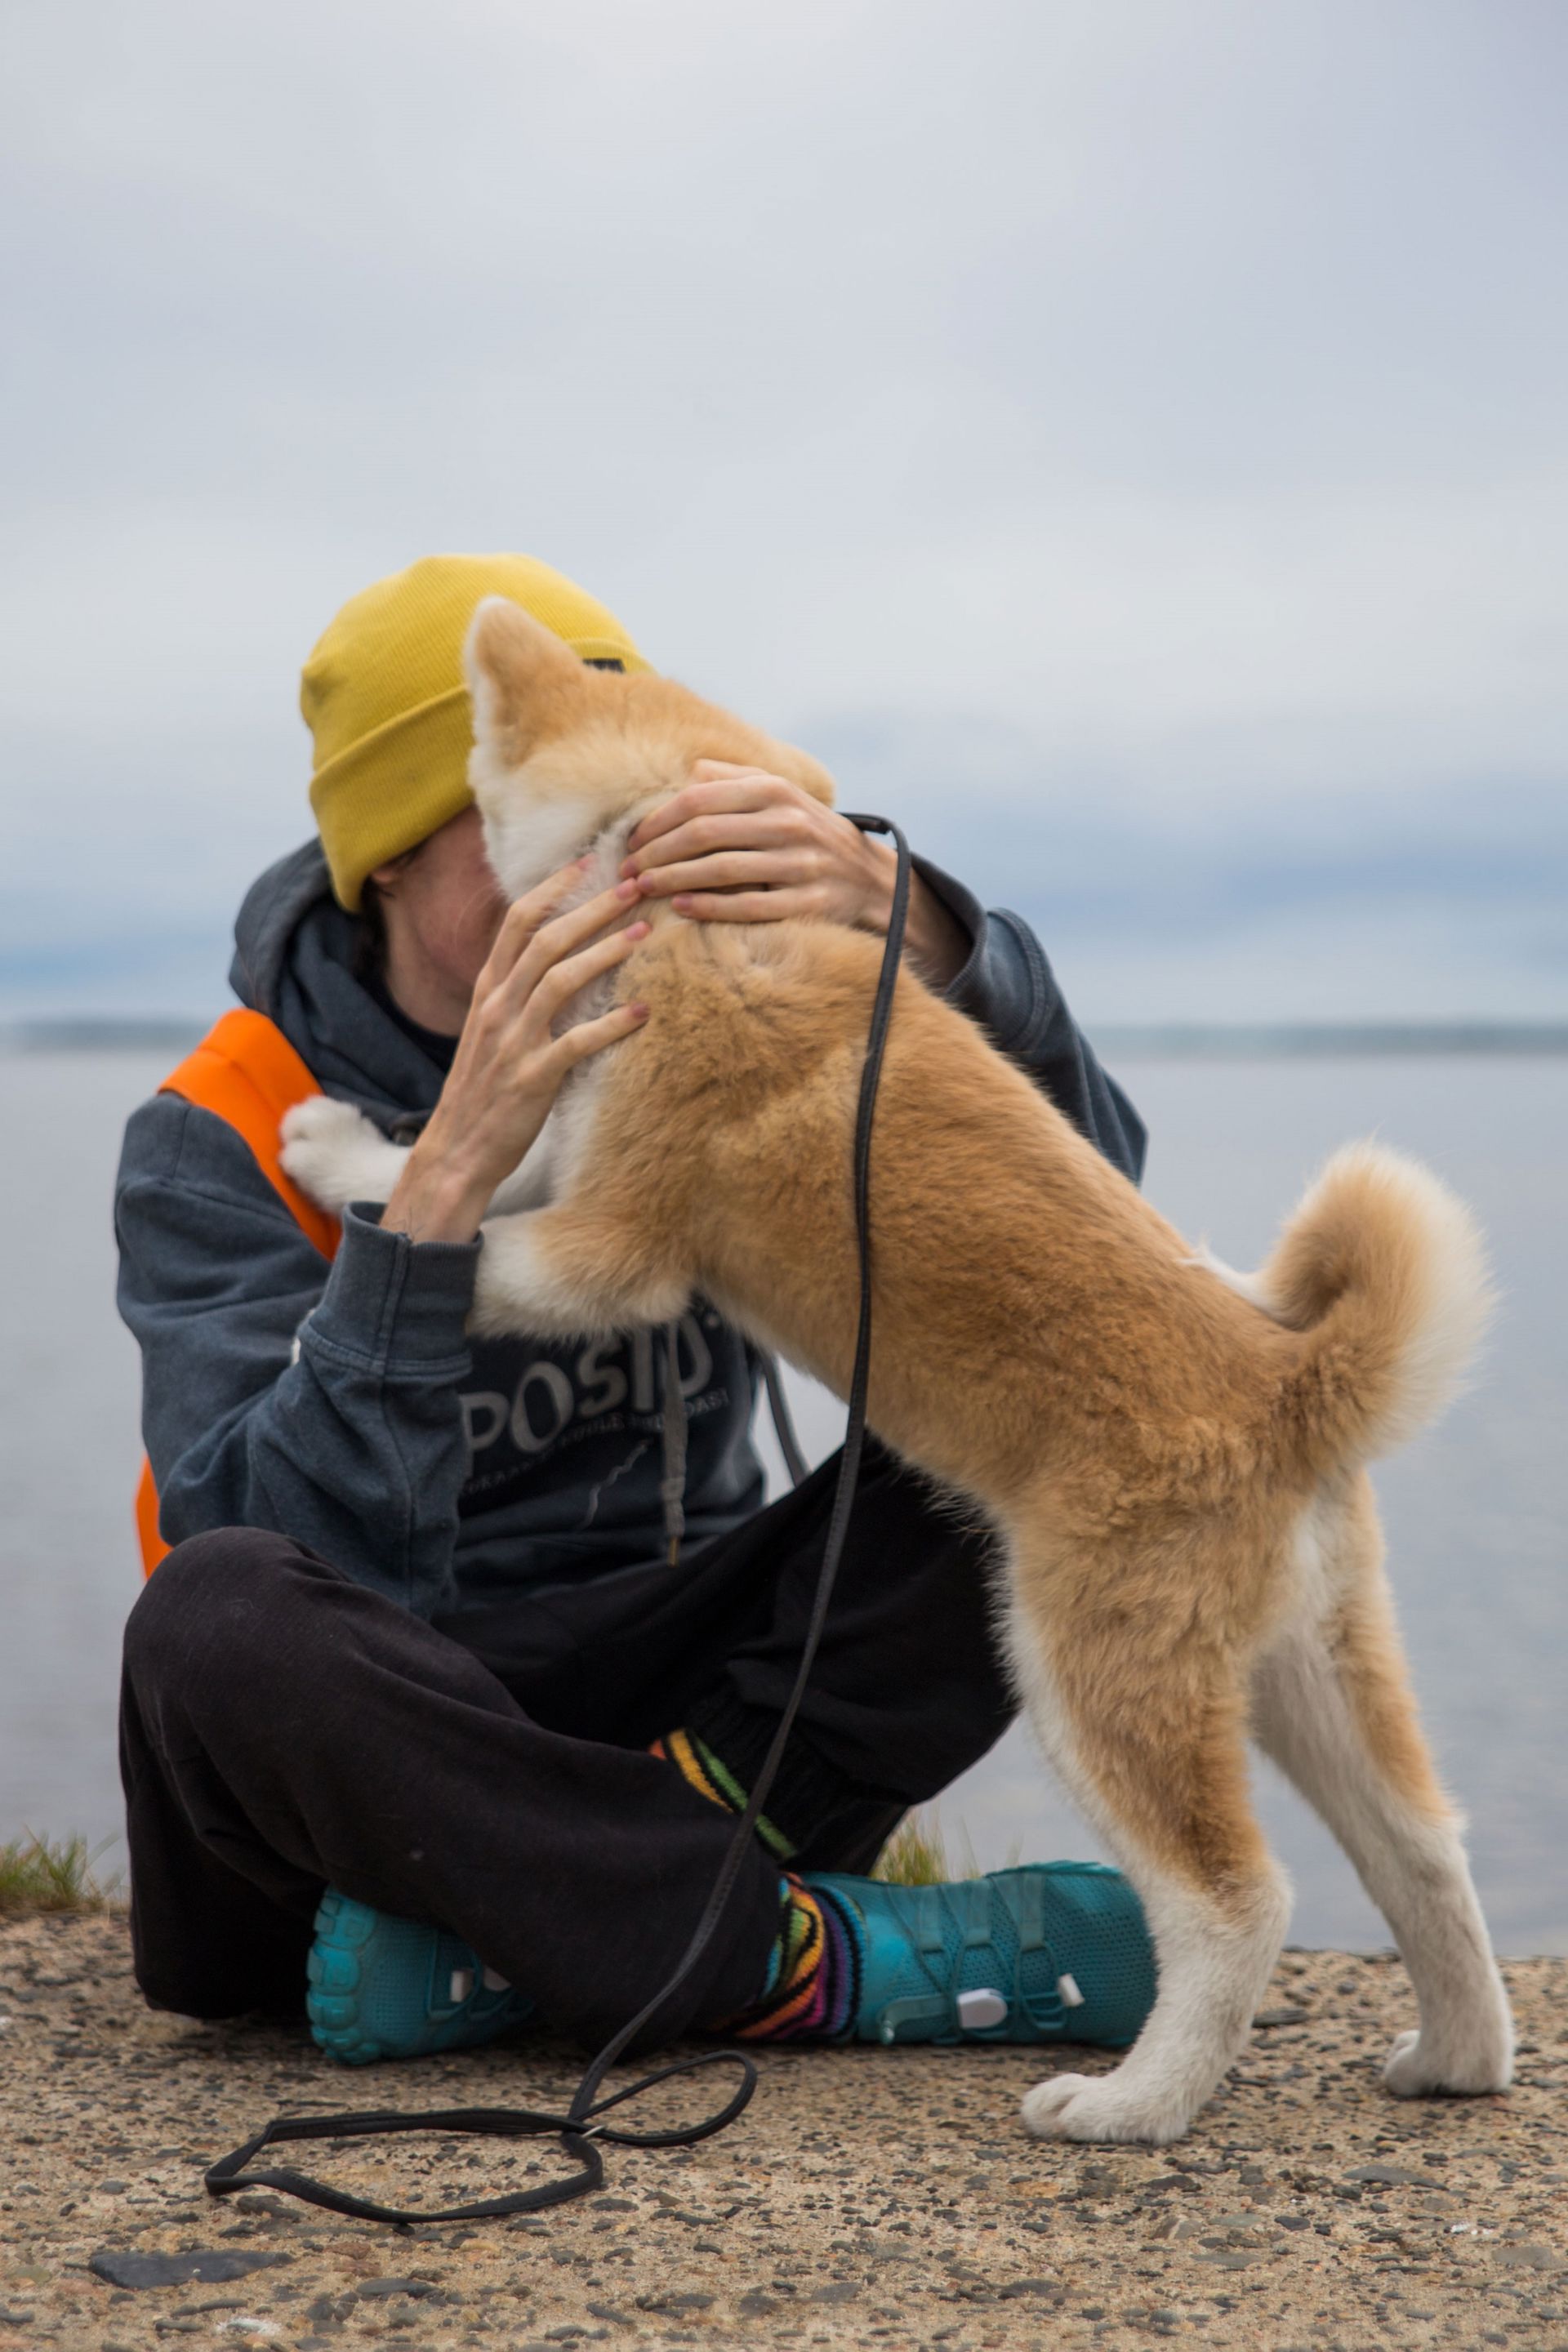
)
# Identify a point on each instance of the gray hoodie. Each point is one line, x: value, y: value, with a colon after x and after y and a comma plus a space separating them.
x: 349, y: 1407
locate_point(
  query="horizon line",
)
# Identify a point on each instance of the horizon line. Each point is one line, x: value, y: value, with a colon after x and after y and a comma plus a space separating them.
x: 1164, y: 1041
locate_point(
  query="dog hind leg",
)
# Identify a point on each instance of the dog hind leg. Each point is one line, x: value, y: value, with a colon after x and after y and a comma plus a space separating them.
x: 1332, y: 1707
x: 1162, y: 1774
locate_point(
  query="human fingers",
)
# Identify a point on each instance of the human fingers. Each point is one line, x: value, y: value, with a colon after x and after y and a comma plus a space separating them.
x: 522, y: 919
x: 734, y: 869
x: 774, y: 826
x: 563, y: 981
x: 727, y: 788
x: 749, y: 906
x: 562, y: 935
x: 586, y: 1037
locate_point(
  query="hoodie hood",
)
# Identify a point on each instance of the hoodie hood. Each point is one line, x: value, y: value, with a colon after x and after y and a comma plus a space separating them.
x: 293, y: 960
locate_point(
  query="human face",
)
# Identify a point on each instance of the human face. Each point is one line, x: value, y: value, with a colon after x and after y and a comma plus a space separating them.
x: 443, y: 908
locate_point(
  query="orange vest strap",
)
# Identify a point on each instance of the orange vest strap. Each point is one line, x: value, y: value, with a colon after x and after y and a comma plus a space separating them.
x: 245, y: 1071
x: 154, y: 1547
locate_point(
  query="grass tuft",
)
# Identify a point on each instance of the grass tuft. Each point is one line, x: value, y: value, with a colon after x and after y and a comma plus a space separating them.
x: 916, y: 1855
x: 50, y: 1874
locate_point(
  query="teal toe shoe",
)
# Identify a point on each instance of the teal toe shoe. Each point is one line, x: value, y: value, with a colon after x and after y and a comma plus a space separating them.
x: 386, y: 1988
x: 1056, y: 1951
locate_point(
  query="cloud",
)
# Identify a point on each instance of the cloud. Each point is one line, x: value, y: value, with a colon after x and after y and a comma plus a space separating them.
x: 1158, y: 410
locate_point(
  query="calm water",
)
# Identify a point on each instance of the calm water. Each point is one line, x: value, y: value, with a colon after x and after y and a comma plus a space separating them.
x: 1476, y: 1511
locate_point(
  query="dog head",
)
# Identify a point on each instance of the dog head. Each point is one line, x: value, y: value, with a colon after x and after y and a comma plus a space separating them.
x: 563, y: 751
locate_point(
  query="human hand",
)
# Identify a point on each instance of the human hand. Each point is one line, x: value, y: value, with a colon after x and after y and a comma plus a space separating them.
x: 739, y: 846
x: 509, y: 1066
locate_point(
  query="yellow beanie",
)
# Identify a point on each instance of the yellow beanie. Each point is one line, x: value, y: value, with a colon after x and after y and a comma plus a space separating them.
x: 385, y: 699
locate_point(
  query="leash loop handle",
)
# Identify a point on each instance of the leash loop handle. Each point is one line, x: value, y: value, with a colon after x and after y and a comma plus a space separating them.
x: 238, y: 2171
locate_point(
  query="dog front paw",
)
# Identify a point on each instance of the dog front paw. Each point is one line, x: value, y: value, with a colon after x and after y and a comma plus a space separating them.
x: 335, y: 1154
x: 1415, y: 2070
x: 1099, y: 2107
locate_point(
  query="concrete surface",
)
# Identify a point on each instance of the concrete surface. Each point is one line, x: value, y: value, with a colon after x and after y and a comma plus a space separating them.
x: 867, y: 2197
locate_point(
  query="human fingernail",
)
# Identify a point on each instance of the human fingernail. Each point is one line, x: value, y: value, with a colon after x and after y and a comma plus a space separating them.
x: 627, y: 889
x: 628, y: 866
x: 638, y: 930
x: 638, y: 1011
x: 682, y: 904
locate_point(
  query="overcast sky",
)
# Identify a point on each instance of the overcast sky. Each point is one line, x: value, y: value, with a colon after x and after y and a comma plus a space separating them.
x: 1127, y: 439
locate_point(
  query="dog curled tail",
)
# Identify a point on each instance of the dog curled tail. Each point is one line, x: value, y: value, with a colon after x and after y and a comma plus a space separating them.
x: 1383, y: 1272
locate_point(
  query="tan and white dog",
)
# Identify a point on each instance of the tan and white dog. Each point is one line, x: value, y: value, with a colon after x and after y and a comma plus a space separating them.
x: 1172, y: 1458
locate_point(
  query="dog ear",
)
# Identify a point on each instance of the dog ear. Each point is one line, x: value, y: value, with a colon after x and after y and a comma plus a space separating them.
x: 514, y: 667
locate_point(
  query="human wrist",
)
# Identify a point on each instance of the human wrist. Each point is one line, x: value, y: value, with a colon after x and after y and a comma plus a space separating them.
x: 935, y: 942
x: 879, y: 866
x: 401, y: 1304
x: 437, y: 1199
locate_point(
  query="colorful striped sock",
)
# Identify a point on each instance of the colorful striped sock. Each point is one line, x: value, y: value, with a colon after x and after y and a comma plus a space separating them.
x: 696, y: 1763
x: 813, y: 1986
x: 812, y: 1991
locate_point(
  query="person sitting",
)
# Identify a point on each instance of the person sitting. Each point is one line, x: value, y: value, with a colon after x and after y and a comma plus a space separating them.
x: 422, y: 1731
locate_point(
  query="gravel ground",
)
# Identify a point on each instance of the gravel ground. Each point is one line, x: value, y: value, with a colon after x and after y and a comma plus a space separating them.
x: 867, y: 2197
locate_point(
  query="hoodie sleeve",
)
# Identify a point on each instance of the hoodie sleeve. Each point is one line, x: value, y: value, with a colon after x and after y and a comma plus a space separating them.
x: 1007, y: 985
x: 278, y: 1393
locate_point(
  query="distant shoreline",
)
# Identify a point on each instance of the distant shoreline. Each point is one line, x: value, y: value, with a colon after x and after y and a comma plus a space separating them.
x: 1328, y: 1041
x: 1154, y: 1041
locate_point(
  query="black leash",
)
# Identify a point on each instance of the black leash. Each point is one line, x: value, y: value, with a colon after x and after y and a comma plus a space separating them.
x: 580, y: 2127
x: 795, y: 1461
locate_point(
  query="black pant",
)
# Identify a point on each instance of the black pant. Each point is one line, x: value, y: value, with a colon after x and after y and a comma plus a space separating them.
x: 283, y: 1729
